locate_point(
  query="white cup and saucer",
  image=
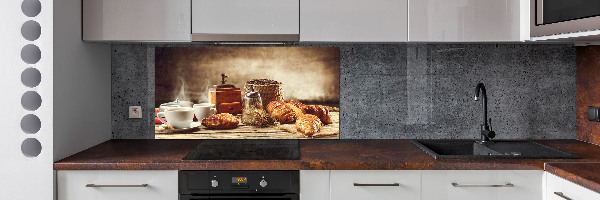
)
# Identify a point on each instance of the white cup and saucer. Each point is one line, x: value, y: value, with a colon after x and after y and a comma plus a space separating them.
x: 203, y: 110
x: 178, y: 118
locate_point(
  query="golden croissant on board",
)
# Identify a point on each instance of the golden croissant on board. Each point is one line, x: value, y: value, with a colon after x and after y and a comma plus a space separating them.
x: 318, y: 110
x: 308, y: 124
x: 283, y: 112
x: 296, y: 103
x: 220, y: 121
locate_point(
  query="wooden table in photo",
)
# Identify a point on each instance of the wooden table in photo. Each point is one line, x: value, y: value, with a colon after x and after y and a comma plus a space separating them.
x: 282, y: 131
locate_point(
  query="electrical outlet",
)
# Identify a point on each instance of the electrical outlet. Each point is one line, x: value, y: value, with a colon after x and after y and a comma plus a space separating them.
x: 135, y: 112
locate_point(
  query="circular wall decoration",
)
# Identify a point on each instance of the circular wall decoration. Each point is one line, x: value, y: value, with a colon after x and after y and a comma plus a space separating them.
x: 31, y: 77
x: 31, y: 30
x: 31, y: 100
x: 31, y: 54
x: 31, y: 147
x: 31, y: 124
x: 31, y: 8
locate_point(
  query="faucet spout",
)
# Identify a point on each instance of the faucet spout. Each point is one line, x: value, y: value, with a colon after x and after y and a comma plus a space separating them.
x: 481, y: 88
x: 486, y: 132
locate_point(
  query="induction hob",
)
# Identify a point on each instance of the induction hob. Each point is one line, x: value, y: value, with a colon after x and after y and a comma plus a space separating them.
x: 248, y: 149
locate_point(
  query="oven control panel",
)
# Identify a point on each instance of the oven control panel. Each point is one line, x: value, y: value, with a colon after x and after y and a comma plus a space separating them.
x: 239, y: 182
x: 224, y: 182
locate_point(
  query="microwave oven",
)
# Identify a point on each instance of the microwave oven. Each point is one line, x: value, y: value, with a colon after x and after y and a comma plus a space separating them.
x: 555, y: 19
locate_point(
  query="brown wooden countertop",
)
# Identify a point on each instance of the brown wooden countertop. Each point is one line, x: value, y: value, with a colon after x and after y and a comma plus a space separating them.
x: 581, y: 173
x: 314, y: 155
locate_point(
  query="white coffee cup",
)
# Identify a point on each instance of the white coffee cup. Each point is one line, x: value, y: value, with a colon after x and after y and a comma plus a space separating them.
x: 166, y: 106
x: 178, y: 118
x: 204, y: 110
x: 186, y: 104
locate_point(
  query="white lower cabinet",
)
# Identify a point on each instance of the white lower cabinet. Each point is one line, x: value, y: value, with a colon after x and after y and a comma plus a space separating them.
x: 561, y: 189
x: 375, y: 185
x: 482, y: 184
x: 117, y: 185
x: 340, y: 185
x: 314, y: 184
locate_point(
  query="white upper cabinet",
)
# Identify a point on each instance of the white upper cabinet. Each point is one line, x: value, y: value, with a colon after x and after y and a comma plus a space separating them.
x: 136, y: 20
x: 468, y: 20
x: 354, y: 20
x: 245, y: 20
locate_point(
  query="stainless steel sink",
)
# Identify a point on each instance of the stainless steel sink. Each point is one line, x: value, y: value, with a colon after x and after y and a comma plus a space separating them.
x: 493, y: 149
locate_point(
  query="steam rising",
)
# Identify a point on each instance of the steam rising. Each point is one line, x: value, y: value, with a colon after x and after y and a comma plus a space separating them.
x: 180, y: 93
x: 307, y: 73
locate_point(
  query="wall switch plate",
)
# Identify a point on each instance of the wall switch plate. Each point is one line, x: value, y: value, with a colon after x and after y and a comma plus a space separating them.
x: 593, y: 114
x: 135, y: 112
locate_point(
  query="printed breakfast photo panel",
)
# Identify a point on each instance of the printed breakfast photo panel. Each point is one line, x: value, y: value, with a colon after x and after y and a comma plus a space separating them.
x: 247, y: 92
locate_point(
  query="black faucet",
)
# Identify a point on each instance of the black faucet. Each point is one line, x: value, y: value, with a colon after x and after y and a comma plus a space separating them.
x: 486, y: 129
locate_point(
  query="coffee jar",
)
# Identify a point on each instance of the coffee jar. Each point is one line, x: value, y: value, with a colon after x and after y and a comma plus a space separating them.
x: 253, y: 112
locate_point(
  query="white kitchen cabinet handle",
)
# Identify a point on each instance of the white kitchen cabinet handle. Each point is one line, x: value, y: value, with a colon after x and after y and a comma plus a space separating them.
x: 94, y: 185
x: 368, y: 184
x: 461, y: 185
x: 560, y: 194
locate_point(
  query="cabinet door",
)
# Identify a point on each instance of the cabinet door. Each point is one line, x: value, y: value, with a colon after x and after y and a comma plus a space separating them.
x: 314, y: 184
x: 136, y: 20
x: 379, y: 185
x: 117, y: 185
x: 468, y: 20
x: 245, y: 17
x: 482, y: 184
x: 354, y: 20
x: 561, y: 189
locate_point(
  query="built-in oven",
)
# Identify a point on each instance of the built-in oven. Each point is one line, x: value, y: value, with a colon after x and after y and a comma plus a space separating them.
x: 235, y: 185
x: 555, y: 17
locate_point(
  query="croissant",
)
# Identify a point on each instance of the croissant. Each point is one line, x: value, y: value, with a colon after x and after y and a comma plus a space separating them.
x: 308, y: 124
x: 281, y: 111
x: 220, y: 121
x: 297, y: 111
x: 320, y: 111
x: 296, y: 103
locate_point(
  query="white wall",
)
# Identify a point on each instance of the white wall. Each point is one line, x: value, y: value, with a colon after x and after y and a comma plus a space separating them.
x: 82, y: 84
x: 24, y: 177
x: 74, y: 88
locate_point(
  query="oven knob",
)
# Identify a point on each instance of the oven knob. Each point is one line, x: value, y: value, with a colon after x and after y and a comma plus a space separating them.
x: 263, y: 183
x: 214, y: 183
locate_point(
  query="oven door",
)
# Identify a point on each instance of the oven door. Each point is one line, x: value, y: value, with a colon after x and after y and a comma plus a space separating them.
x: 237, y: 197
x: 553, y: 17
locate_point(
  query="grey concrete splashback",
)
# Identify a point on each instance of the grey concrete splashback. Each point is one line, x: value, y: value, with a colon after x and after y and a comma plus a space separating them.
x: 404, y: 90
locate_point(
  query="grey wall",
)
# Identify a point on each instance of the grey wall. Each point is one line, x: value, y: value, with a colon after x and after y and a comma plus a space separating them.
x: 408, y: 90
x: 81, y: 84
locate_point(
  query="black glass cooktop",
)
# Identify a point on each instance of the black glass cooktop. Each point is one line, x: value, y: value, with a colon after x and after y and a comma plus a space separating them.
x: 245, y: 150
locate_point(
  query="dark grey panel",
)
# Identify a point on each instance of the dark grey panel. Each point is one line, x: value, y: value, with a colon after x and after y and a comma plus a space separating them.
x: 408, y: 90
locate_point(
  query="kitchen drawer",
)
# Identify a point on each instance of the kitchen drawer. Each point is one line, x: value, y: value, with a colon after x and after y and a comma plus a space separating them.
x: 344, y: 185
x: 162, y: 185
x: 482, y: 184
x: 568, y: 189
